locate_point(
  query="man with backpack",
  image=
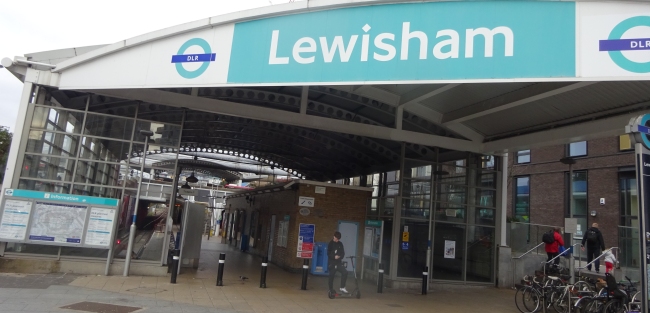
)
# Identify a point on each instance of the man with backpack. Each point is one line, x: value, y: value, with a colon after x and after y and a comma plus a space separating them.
x: 553, y: 240
x: 595, y: 243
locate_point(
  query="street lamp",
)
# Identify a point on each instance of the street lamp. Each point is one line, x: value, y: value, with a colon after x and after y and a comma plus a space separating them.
x: 129, y: 251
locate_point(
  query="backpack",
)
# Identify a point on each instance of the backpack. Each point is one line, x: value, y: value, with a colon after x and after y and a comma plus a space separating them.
x: 548, y: 237
x: 592, y: 236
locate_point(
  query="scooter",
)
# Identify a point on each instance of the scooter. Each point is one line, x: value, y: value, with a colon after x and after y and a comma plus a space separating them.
x: 355, y: 292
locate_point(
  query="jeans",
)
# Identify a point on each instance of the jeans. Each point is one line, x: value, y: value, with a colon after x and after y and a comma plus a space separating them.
x: 592, y: 253
x: 333, y: 268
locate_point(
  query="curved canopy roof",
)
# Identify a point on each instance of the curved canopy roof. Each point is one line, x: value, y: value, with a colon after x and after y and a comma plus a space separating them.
x: 333, y: 118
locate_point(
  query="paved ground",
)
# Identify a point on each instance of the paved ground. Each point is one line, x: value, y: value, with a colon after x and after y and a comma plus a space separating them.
x: 196, y: 292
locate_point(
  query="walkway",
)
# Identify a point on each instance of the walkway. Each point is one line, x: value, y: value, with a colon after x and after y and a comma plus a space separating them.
x: 195, y: 291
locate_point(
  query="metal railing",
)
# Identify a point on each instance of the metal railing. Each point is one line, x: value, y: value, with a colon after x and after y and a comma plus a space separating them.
x: 516, y: 260
x: 596, y: 259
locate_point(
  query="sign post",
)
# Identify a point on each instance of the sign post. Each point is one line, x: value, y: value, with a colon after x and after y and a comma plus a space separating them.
x: 306, y: 241
x: 639, y: 128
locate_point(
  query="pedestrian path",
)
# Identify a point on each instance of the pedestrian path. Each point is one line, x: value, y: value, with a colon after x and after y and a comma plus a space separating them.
x: 196, y: 291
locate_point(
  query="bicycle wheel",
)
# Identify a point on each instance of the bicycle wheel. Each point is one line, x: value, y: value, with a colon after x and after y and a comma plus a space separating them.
x: 614, y: 306
x: 561, y: 301
x: 527, y: 300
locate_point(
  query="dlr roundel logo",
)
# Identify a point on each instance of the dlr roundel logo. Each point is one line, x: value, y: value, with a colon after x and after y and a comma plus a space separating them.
x: 204, y: 58
x: 615, y: 44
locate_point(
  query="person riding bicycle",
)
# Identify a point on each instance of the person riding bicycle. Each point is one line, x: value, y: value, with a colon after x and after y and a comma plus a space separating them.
x: 335, y: 254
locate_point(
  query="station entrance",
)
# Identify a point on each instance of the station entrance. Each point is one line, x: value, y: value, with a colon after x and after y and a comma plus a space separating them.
x: 418, y: 115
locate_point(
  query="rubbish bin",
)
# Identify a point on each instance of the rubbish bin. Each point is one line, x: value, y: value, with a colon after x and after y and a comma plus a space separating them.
x: 319, y: 259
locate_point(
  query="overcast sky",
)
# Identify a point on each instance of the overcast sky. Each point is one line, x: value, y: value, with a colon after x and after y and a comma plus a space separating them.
x: 42, y: 25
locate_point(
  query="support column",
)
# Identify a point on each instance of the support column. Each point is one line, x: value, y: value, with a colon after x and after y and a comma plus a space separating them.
x: 304, y: 99
x: 502, y: 203
x: 12, y: 171
x: 399, y: 117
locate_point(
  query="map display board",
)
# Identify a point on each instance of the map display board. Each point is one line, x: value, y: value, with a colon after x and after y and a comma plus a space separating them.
x: 58, y: 223
x: 15, y: 217
x: 100, y: 227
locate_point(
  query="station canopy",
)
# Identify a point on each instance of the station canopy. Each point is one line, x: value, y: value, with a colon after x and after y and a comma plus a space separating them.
x: 330, y: 89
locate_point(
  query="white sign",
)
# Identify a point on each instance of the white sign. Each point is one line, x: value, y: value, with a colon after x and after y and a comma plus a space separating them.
x: 571, y: 225
x: 306, y: 202
x: 14, y: 219
x: 60, y: 223
x: 367, y: 241
x: 100, y: 227
x: 320, y: 189
x: 188, y: 192
x: 450, y: 249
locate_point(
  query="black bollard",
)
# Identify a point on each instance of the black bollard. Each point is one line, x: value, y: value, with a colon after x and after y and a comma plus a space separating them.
x: 425, y: 280
x: 175, y: 263
x: 265, y: 264
x: 305, y: 271
x: 380, y: 279
x: 222, y: 261
x: 170, y: 258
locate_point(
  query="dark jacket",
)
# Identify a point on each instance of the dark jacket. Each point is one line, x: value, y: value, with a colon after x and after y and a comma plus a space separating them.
x: 555, y: 246
x: 599, y: 243
x: 333, y: 249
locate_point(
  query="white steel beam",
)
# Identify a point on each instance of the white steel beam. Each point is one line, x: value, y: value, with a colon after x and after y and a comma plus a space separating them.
x: 510, y: 100
x: 423, y: 92
x: 288, y: 118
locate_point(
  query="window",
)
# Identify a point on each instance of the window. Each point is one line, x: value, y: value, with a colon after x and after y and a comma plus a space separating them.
x: 624, y: 142
x: 283, y: 231
x: 522, y: 199
x: 580, y: 205
x: 577, y: 149
x: 523, y: 156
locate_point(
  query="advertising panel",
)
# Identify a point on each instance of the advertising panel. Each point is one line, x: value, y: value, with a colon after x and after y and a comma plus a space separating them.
x: 15, y: 218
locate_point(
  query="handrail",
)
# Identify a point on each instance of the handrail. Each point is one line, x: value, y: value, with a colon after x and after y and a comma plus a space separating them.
x: 597, y: 258
x: 557, y: 256
x: 529, y: 251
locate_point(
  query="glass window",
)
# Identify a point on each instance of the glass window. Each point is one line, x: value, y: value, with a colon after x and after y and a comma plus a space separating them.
x: 47, y: 167
x: 56, y: 119
x: 578, y: 149
x: 54, y: 144
x: 416, y: 207
x: 624, y: 142
x: 448, y: 252
x: 97, y: 173
x: 163, y: 134
x: 523, y: 156
x: 108, y: 126
x: 487, y: 162
x: 97, y: 191
x: 103, y: 149
x: 38, y: 185
x: 450, y: 212
x: 412, y: 255
x: 480, y: 254
x: 522, y: 199
x: 580, y: 205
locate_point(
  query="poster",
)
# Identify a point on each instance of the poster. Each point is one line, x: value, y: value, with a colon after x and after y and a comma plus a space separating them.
x: 306, y: 241
x: 100, y: 227
x: 450, y: 249
x: 367, y: 241
x: 15, y: 218
x: 60, y: 223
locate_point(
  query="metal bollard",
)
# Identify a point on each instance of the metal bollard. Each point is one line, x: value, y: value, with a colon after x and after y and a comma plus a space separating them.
x: 175, y: 263
x: 170, y: 258
x: 425, y: 280
x: 222, y: 261
x: 305, y: 271
x: 380, y: 279
x: 265, y: 264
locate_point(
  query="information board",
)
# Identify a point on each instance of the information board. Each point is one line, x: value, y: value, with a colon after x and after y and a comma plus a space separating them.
x: 15, y: 218
x: 100, y: 227
x: 306, y: 241
x: 57, y: 222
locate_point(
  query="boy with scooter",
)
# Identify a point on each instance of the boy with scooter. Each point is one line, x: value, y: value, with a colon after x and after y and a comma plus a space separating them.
x: 335, y: 254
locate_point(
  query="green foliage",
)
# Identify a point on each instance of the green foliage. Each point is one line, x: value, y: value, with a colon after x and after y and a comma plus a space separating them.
x: 5, y: 144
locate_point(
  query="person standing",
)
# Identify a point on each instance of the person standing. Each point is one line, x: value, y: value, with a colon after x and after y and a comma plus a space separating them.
x: 553, y: 248
x: 595, y: 243
x: 610, y: 260
x: 335, y: 254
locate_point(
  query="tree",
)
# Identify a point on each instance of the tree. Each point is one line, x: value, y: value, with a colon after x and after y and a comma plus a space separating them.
x: 5, y: 144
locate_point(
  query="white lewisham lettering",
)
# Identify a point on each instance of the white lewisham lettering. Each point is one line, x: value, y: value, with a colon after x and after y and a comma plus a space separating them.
x: 447, y: 45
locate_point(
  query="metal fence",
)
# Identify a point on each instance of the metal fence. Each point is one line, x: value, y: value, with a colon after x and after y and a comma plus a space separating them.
x: 525, y: 236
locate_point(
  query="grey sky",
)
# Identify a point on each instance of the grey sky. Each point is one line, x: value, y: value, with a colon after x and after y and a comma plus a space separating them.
x: 42, y: 25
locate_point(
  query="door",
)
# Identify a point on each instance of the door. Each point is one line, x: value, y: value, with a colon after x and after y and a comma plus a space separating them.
x: 349, y: 236
x: 270, y: 237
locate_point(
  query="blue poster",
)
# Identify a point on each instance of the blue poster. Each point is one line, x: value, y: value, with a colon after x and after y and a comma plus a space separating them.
x: 306, y: 240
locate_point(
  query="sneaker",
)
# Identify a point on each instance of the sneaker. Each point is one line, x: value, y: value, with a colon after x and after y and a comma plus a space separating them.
x: 343, y: 290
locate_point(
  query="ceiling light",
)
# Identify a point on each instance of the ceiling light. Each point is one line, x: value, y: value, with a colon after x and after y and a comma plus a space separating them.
x: 186, y: 186
x: 191, y: 179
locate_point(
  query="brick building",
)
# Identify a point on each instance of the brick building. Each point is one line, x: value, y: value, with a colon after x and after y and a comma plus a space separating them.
x: 604, y: 186
x: 273, y: 214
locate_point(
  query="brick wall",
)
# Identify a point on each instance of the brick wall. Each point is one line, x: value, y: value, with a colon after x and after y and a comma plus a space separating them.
x: 548, y: 186
x: 337, y: 204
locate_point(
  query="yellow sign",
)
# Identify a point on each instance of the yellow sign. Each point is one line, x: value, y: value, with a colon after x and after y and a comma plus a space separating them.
x: 405, y: 236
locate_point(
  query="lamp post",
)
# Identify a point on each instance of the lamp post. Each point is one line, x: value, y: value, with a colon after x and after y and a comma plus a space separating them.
x: 570, y: 161
x: 129, y: 251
